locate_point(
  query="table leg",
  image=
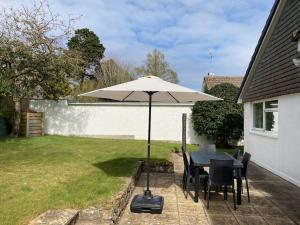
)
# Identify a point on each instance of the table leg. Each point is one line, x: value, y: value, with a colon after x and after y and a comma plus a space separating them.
x: 196, y: 184
x: 239, y: 187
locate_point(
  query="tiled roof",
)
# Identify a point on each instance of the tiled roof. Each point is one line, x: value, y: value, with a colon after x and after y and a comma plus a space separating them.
x: 212, y: 80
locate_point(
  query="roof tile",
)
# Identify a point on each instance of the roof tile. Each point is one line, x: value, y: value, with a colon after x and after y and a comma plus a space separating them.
x: 211, y: 80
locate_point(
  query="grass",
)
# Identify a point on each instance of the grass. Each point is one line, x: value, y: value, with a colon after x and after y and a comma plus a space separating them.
x: 51, y: 172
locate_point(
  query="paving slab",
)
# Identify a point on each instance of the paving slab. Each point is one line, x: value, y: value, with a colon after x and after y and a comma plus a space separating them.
x: 56, y: 217
x: 251, y: 220
x: 278, y: 220
x: 265, y: 207
x: 220, y: 219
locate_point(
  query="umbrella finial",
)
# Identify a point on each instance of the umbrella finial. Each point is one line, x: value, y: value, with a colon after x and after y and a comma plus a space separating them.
x: 151, y: 76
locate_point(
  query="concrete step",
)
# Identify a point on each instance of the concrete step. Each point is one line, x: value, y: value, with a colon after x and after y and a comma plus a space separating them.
x: 56, y: 217
x: 88, y: 222
x: 93, y: 216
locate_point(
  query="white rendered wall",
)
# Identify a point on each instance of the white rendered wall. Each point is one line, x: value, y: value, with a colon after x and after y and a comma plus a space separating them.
x: 117, y: 119
x: 280, y: 154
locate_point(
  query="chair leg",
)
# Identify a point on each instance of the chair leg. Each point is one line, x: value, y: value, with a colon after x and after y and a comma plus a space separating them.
x: 205, y: 191
x: 208, y: 197
x: 233, y: 192
x: 187, y: 187
x: 187, y: 184
x: 242, y: 189
x: 247, y: 186
x: 225, y: 193
x: 183, y: 180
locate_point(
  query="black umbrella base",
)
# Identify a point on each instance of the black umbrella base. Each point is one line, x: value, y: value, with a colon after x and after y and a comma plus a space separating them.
x: 147, y: 203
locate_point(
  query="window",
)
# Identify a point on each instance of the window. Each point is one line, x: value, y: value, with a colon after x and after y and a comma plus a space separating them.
x: 258, y: 115
x: 271, y: 115
x: 265, y: 116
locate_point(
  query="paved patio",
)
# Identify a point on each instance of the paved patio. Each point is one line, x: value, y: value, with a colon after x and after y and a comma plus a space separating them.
x: 273, y: 201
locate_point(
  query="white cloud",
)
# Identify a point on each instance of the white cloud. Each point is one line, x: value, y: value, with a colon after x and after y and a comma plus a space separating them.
x: 185, y: 30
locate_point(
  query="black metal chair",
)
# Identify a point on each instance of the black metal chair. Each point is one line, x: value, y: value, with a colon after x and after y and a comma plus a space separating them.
x: 189, y: 175
x: 245, y: 161
x: 237, y: 153
x: 221, y: 175
x: 186, y: 174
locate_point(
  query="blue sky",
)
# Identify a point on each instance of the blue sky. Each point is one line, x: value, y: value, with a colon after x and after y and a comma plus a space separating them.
x: 184, y: 30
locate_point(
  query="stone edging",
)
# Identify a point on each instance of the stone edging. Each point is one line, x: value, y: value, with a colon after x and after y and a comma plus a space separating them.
x: 121, y: 200
x: 159, y: 167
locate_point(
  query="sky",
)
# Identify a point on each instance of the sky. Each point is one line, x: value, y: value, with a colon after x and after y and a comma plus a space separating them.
x: 188, y: 32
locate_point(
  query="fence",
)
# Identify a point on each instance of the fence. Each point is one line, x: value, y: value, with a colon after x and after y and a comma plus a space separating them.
x: 117, y: 120
x: 32, y: 124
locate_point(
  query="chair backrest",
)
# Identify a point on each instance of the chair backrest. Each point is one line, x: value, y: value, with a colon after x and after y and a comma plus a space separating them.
x: 209, y: 148
x: 185, y: 162
x: 245, y: 161
x: 236, y: 154
x: 221, y: 172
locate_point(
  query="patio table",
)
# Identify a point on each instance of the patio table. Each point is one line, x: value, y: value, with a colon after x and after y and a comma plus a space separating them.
x: 202, y: 159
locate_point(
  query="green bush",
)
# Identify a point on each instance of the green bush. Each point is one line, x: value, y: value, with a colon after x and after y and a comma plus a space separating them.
x: 7, y: 110
x: 221, y: 121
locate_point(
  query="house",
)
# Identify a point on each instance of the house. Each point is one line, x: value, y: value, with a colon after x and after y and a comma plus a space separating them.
x: 270, y: 93
x: 210, y: 81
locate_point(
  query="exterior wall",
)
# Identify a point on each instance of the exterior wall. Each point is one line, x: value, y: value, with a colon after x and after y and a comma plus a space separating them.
x: 280, y: 154
x: 120, y: 120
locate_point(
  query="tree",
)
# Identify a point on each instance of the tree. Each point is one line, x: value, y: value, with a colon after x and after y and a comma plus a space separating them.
x: 88, y: 43
x: 113, y: 72
x: 219, y: 120
x: 156, y: 65
x: 32, y: 59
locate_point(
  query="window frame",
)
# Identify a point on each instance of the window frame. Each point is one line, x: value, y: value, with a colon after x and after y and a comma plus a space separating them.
x: 265, y: 110
x: 252, y: 113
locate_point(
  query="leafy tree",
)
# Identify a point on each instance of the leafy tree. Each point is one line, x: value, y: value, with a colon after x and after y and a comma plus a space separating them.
x: 113, y: 72
x: 32, y: 59
x: 156, y: 65
x: 88, y: 43
x: 7, y: 111
x: 219, y: 120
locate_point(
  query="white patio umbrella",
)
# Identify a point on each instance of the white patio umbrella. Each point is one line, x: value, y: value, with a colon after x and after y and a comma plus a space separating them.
x: 149, y: 88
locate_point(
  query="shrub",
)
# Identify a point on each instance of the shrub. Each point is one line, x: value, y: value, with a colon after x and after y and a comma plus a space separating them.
x: 221, y: 121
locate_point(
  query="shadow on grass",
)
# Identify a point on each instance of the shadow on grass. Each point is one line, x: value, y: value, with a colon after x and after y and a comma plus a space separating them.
x: 120, y: 167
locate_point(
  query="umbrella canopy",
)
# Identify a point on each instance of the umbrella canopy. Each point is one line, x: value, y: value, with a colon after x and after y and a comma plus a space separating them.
x: 138, y: 90
x: 149, y: 88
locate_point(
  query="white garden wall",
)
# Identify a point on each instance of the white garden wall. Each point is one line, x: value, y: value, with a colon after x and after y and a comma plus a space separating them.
x: 280, y: 154
x: 121, y: 120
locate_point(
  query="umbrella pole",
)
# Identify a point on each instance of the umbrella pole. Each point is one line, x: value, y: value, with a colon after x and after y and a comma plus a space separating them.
x: 148, y: 192
x: 147, y: 202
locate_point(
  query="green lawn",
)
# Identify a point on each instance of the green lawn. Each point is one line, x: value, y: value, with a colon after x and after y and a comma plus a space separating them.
x: 49, y: 172
x: 37, y: 174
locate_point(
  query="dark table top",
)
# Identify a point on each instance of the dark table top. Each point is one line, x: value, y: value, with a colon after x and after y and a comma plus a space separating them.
x: 201, y: 158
